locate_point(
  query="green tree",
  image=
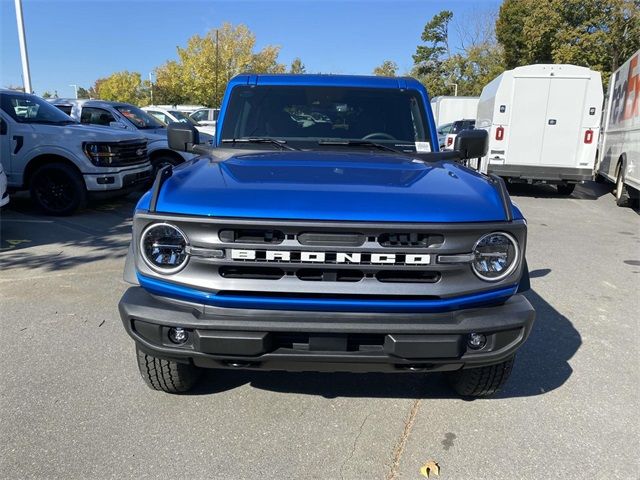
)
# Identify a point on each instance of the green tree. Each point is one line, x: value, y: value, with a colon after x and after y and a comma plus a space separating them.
x: 47, y: 94
x: 122, y: 87
x: 297, y: 66
x: 429, y: 59
x: 388, y: 68
x: 599, y: 34
x: 200, y: 75
x: 86, y: 93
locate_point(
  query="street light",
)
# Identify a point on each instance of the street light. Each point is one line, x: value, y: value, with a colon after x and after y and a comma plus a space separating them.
x: 151, y: 86
x: 26, y: 74
x: 75, y: 87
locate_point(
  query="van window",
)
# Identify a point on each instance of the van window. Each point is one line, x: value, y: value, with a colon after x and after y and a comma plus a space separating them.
x: 96, y: 116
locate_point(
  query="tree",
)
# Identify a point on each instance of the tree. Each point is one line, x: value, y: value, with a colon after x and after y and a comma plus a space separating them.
x: 122, y: 87
x: 297, y: 66
x: 388, y: 68
x: 87, y: 93
x: 201, y: 76
x: 430, y: 57
x: 47, y: 94
x: 599, y: 34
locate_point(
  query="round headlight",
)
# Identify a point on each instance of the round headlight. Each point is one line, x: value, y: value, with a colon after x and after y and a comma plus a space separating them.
x: 164, y: 248
x: 495, y: 256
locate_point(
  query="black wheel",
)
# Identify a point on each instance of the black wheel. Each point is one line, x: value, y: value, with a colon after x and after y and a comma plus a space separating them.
x: 58, y: 189
x: 165, y: 375
x: 481, y: 381
x: 162, y: 161
x: 566, y: 188
x: 623, y: 199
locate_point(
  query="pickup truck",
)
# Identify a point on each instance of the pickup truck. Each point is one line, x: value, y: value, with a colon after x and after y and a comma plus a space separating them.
x: 63, y: 163
x: 351, y: 244
x: 125, y: 116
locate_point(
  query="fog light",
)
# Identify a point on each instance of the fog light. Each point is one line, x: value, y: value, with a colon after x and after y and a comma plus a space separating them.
x: 178, y: 335
x: 476, y: 340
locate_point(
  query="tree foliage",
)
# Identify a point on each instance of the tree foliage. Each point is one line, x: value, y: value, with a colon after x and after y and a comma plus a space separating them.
x: 200, y: 76
x: 297, y: 66
x: 388, y: 68
x: 122, y: 87
x: 599, y: 34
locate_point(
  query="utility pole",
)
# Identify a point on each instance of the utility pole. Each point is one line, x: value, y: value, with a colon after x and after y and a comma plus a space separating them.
x: 217, y: 56
x: 26, y: 75
x: 151, y: 87
x: 75, y: 87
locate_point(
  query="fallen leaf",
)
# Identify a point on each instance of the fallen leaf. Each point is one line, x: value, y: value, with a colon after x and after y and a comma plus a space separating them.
x: 430, y: 467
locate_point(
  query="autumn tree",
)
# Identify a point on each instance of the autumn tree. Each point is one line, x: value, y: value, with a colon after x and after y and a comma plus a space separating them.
x: 599, y: 34
x: 388, y: 68
x: 297, y: 66
x: 122, y: 87
x: 202, y: 71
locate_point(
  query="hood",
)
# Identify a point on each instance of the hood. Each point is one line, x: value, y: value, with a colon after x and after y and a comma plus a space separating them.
x: 89, y: 132
x: 353, y: 186
x: 154, y: 134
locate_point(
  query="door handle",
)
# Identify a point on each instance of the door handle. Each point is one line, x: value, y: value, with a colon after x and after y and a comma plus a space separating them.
x: 19, y: 142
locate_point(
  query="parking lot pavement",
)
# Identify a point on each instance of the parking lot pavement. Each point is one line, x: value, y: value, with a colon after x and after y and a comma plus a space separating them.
x: 73, y: 405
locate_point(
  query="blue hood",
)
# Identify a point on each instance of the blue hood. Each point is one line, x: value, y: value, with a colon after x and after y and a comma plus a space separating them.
x: 349, y: 186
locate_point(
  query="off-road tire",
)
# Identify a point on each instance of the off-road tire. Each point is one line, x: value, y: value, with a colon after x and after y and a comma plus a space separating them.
x: 623, y: 199
x: 481, y: 381
x: 566, y: 188
x: 165, y: 375
x: 57, y: 189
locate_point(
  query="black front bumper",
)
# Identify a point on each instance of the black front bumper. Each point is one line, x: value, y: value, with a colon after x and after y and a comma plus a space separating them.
x: 541, y: 173
x: 325, y: 341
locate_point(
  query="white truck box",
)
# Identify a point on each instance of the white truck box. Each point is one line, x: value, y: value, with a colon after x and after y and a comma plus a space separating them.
x: 619, y: 154
x: 450, y: 109
x: 543, y: 124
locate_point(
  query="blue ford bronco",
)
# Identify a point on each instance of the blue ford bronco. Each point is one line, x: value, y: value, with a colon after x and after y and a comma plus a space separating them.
x: 324, y: 231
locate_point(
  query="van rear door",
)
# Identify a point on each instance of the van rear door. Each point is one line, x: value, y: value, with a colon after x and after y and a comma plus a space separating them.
x: 527, y: 123
x: 565, y: 107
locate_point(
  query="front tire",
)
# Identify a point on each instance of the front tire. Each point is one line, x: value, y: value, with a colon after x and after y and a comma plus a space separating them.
x: 57, y: 189
x: 166, y: 375
x: 480, y: 381
x: 566, y: 188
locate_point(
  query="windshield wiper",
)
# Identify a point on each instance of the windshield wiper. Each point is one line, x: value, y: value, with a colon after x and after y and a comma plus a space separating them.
x: 359, y: 143
x: 272, y: 141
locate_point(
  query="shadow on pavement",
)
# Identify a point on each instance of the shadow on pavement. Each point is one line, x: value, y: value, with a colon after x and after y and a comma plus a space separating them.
x: 584, y: 191
x: 542, y: 365
x: 99, y: 232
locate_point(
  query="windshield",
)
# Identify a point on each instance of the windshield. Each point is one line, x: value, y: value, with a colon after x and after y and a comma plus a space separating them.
x: 139, y: 118
x: 31, y: 109
x: 306, y: 115
x: 182, y: 118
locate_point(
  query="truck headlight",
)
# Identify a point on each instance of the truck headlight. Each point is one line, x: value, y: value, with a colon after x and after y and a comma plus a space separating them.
x: 495, y: 256
x: 100, y: 154
x: 164, y: 248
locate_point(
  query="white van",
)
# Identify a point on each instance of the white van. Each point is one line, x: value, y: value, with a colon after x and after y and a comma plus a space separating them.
x: 619, y: 152
x: 449, y: 109
x: 543, y: 123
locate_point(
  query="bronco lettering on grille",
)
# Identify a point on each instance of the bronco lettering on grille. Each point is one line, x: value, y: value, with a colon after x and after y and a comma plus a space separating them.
x: 330, y: 257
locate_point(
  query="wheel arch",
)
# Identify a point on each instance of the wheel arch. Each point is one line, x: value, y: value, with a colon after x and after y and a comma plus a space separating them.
x: 166, y: 152
x: 39, y: 160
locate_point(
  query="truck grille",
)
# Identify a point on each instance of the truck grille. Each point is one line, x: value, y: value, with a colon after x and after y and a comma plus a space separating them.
x: 130, y: 152
x: 344, y: 260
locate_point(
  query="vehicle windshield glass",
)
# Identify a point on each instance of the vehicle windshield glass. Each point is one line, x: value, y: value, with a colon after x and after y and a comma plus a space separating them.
x: 305, y: 115
x: 463, y: 125
x: 31, y: 109
x: 182, y: 118
x: 139, y: 118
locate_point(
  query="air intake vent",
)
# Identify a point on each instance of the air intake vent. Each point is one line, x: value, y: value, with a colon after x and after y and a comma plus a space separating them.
x: 272, y: 237
x: 407, y: 276
x: 253, y: 273
x: 412, y: 239
x: 331, y: 239
x: 321, y: 275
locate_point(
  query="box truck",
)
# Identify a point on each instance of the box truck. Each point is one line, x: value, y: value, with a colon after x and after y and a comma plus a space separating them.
x: 543, y: 123
x: 619, y: 150
x: 449, y: 109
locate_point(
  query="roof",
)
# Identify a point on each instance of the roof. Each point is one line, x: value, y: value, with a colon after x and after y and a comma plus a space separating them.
x: 369, y: 81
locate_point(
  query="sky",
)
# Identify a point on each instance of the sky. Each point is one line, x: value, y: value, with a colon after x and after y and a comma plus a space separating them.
x: 78, y: 41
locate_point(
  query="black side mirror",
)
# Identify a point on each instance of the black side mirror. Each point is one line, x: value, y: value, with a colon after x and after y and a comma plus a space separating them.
x: 472, y: 143
x: 182, y: 136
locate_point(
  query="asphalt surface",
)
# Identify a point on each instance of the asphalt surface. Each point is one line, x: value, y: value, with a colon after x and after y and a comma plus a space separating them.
x: 72, y: 404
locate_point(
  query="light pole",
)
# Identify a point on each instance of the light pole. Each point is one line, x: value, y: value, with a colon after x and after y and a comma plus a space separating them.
x: 455, y: 92
x: 26, y: 74
x: 151, y: 86
x: 75, y: 88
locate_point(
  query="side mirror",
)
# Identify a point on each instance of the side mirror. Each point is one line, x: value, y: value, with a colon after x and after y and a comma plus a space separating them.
x: 472, y: 143
x: 182, y: 136
x: 117, y: 125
